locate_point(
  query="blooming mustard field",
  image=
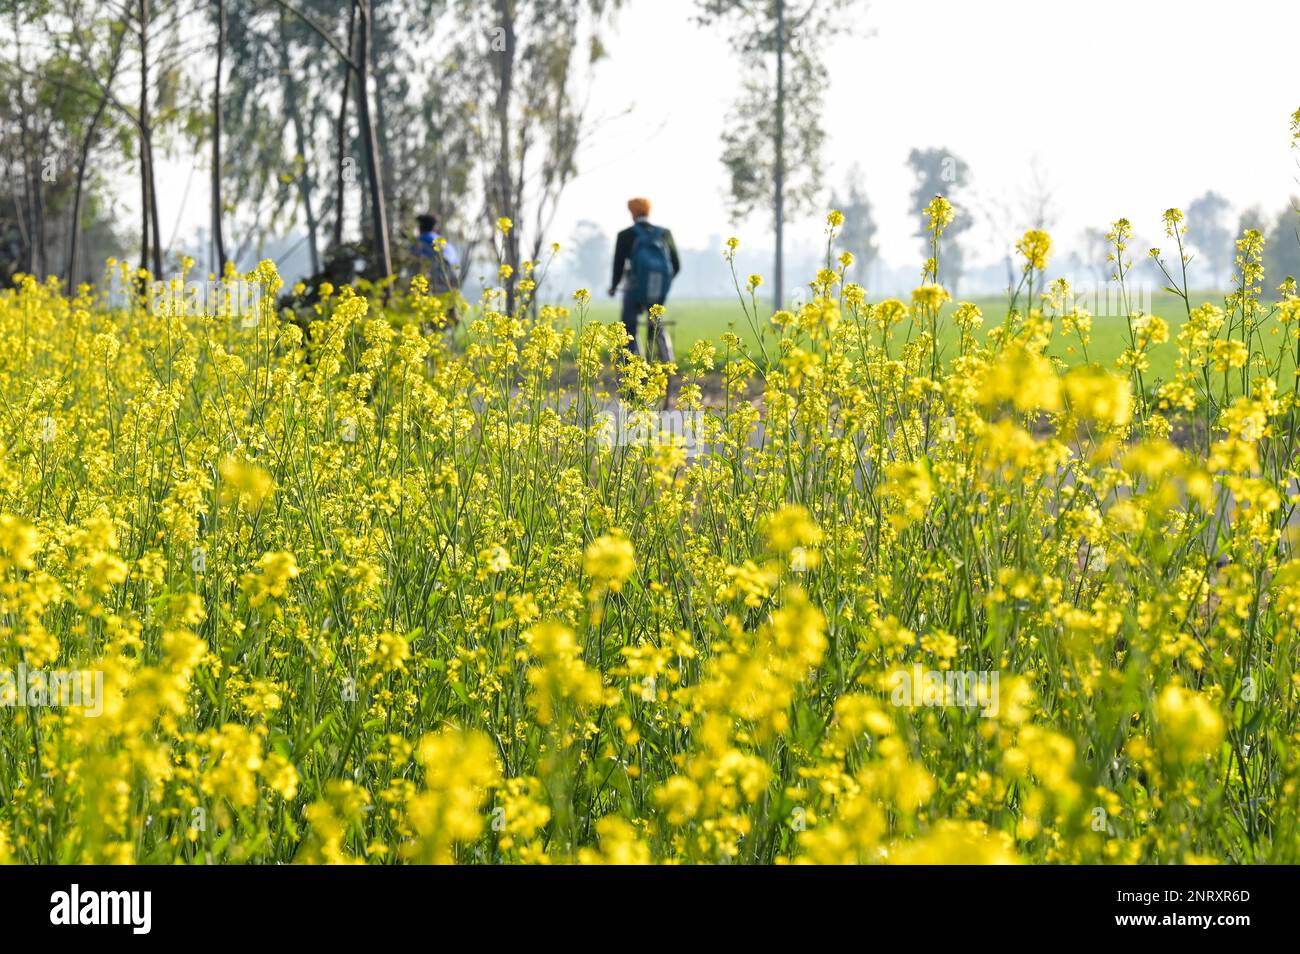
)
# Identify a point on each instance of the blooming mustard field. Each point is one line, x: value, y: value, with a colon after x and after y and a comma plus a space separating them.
x: 364, y: 588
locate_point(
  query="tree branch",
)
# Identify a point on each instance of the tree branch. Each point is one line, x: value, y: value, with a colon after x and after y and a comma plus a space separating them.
x: 320, y: 31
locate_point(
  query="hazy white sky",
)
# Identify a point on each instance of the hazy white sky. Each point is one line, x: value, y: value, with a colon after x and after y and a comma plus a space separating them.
x: 1124, y: 107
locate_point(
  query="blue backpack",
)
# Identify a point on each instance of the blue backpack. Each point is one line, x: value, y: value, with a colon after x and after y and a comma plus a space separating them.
x: 652, y: 269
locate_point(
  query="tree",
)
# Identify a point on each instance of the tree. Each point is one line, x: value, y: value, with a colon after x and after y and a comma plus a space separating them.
x: 1208, y: 236
x: 150, y: 28
x: 379, y: 217
x: 32, y: 114
x: 1037, y: 198
x: 284, y: 135
x: 1251, y: 218
x: 1030, y: 205
x: 940, y: 172
x: 1096, y: 250
x: 858, y: 234
x: 53, y: 113
x: 1282, y: 248
x: 772, y: 148
x: 424, y: 103
x: 530, y: 118
x: 293, y: 106
x: 98, y: 121
x: 341, y: 134
x: 357, y: 59
x: 159, y: 79
x: 218, y: 237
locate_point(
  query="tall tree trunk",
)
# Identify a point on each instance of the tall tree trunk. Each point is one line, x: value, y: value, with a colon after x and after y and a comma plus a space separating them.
x: 31, y: 178
x: 218, y: 233
x: 88, y: 143
x: 144, y: 206
x: 143, y: 11
x: 153, y: 212
x: 379, y: 222
x: 305, y: 183
x: 341, y: 132
x: 364, y: 206
x: 74, y: 237
x: 378, y: 40
x: 505, y: 192
x: 778, y: 278
x: 148, y: 180
x: 38, y: 219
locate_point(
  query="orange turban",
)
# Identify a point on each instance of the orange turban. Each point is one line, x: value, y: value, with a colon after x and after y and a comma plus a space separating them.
x: 638, y: 207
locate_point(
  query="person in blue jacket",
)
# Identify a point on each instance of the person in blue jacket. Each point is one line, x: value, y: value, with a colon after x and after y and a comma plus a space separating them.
x: 647, y: 255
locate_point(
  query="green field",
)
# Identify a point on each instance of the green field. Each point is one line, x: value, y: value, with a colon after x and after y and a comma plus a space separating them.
x: 692, y: 320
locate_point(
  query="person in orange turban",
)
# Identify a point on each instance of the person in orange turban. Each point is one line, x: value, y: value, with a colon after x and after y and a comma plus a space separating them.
x: 648, y: 254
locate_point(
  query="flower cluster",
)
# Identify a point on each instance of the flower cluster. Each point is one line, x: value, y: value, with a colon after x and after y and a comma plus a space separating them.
x: 365, y: 588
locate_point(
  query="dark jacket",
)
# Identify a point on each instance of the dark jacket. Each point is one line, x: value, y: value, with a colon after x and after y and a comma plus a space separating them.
x: 623, y: 251
x: 438, y: 265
